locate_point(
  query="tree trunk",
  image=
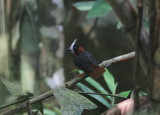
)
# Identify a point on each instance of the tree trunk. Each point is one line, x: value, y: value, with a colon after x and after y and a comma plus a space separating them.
x: 50, y: 15
x: 29, y: 47
x: 4, y: 66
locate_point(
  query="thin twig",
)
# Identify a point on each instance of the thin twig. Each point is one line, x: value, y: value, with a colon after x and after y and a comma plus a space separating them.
x: 69, y: 84
x: 28, y: 107
x: 32, y: 101
x: 13, y: 103
x: 137, y: 56
x: 116, y: 95
x: 124, y: 57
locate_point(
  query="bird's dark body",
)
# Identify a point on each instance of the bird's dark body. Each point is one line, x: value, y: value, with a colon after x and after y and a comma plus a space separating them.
x: 85, y: 61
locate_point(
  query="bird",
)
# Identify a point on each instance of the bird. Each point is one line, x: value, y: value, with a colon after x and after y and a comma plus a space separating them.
x: 85, y: 61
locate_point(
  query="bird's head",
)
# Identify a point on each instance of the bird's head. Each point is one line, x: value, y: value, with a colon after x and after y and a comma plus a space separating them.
x: 74, y: 48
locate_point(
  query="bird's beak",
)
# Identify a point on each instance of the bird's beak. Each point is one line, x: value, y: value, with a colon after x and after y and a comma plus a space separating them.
x: 70, y: 49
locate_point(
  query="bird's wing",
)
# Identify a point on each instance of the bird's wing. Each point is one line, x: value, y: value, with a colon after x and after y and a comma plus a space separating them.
x: 84, y: 61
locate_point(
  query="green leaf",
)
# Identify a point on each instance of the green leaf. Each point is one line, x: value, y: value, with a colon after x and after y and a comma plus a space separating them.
x: 100, y: 8
x: 109, y: 79
x: 125, y: 93
x: 71, y: 102
x: 77, y: 70
x: 49, y: 112
x: 38, y: 106
x: 13, y: 89
x: 114, y: 92
x: 84, y: 6
x: 97, y: 97
x: 96, y: 85
x: 141, y: 93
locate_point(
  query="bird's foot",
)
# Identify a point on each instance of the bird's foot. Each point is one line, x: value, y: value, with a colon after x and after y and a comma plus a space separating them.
x: 81, y: 75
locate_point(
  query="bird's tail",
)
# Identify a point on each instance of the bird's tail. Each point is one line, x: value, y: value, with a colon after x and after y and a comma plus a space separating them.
x: 97, y: 72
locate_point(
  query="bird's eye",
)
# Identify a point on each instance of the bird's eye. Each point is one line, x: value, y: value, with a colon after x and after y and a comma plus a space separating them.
x: 75, y: 47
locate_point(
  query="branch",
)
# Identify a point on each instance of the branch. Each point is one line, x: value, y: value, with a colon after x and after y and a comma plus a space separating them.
x: 32, y: 101
x: 69, y: 84
x: 118, y: 59
x: 13, y: 103
x: 136, y: 66
x: 116, y: 95
x: 28, y: 106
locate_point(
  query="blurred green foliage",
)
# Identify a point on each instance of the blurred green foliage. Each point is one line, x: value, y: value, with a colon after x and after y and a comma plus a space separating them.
x: 84, y: 6
x: 13, y: 89
x: 110, y: 83
x: 96, y: 9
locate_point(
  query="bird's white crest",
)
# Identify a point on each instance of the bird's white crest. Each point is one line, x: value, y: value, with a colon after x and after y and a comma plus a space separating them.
x: 72, y: 45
